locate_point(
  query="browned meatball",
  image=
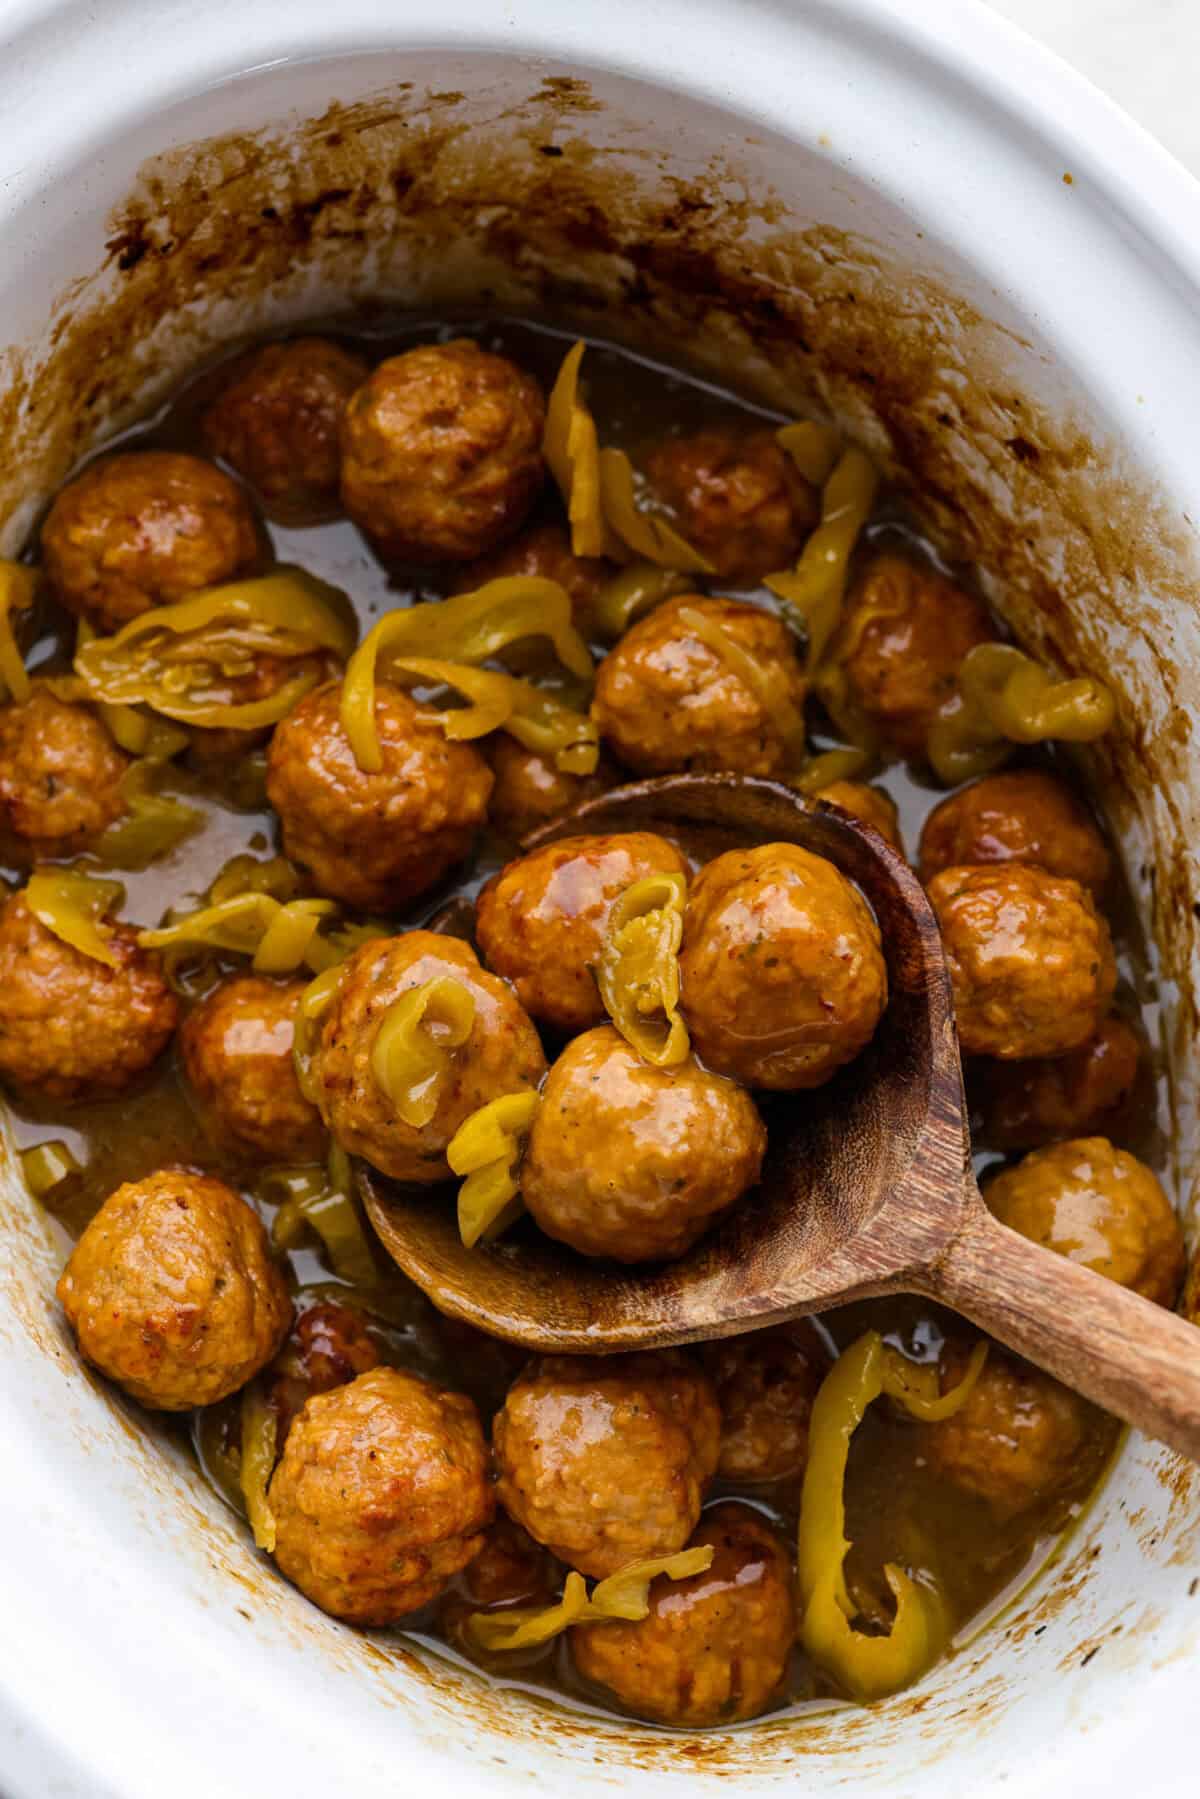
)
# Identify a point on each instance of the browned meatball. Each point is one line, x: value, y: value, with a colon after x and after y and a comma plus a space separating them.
x: 71, y: 1027
x: 715, y: 1647
x: 278, y: 420
x: 172, y: 1292
x: 143, y: 528
x: 902, y: 641
x: 1082, y: 1094
x: 1030, y: 959
x: 375, y: 840
x: 531, y: 789
x: 632, y: 1161
x: 766, y: 1383
x: 327, y: 1346
x: 509, y: 1569
x: 606, y: 1461
x: 502, y: 1054
x: 1019, y: 1439
x: 873, y: 805
x: 541, y: 921
x: 666, y: 700
x: 1099, y: 1206
x: 783, y: 975
x: 545, y: 551
x: 737, y: 497
x: 60, y: 775
x: 1022, y: 816
x: 381, y: 1496
x: 441, y: 452
x: 237, y: 1054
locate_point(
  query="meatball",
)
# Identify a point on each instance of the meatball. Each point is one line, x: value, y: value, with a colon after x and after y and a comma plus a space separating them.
x: 874, y: 806
x: 1022, y: 816
x: 715, y: 1647
x: 766, y: 1383
x: 143, y: 528
x: 172, y: 1292
x: 1019, y: 1439
x: 237, y: 1054
x: 902, y: 641
x: 502, y: 1053
x: 541, y: 921
x: 531, y: 789
x: 1030, y: 959
x: 545, y: 551
x: 1099, y: 1206
x: 381, y: 1496
x: 632, y: 1161
x: 441, y: 453
x: 72, y: 1028
x: 783, y: 975
x: 665, y: 699
x: 1025, y: 1104
x: 605, y: 1462
x: 737, y: 497
x: 510, y: 1568
x: 278, y: 420
x: 328, y: 1345
x: 60, y: 775
x: 375, y: 840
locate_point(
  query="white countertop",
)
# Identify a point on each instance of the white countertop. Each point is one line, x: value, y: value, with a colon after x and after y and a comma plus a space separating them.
x: 1145, y: 54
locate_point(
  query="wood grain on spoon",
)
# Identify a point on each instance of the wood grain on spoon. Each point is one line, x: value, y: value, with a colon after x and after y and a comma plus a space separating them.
x: 867, y: 1189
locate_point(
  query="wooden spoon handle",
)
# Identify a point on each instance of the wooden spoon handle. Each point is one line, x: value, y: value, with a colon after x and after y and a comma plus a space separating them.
x: 1134, y: 1358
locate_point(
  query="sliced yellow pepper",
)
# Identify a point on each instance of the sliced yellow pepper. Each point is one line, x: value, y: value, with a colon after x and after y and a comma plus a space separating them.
x: 322, y: 1200
x: 487, y: 1149
x: 633, y: 593
x: 45, y: 1166
x: 1004, y: 697
x: 75, y: 906
x: 314, y: 1002
x: 638, y: 968
x: 152, y: 824
x: 831, y: 765
x: 277, y: 938
x: 814, y: 590
x: 764, y: 680
x: 260, y: 1432
x: 410, y: 1057
x: 18, y: 585
x: 622, y: 1597
x: 137, y: 733
x: 812, y: 447
x: 644, y: 533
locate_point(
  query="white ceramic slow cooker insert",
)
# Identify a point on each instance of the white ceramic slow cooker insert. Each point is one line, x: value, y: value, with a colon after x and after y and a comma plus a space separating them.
x: 903, y: 212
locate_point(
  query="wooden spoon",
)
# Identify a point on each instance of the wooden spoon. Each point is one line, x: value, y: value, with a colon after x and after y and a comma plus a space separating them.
x: 867, y: 1189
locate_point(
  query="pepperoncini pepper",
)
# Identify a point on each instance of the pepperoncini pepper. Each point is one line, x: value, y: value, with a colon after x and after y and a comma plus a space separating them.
x: 312, y: 1198
x: 410, y: 1057
x: 18, y: 585
x: 812, y: 447
x: 813, y: 591
x: 623, y: 1596
x: 631, y: 594
x: 638, y: 969
x: 487, y: 1149
x: 277, y: 937
x: 1004, y: 697
x: 260, y: 1433
x: 75, y: 907
x: 869, y: 1667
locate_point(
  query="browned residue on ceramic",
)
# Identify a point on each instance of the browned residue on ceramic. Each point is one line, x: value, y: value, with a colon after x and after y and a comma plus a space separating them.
x: 561, y: 205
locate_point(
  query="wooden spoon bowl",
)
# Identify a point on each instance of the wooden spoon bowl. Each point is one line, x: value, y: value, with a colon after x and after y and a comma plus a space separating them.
x: 867, y: 1187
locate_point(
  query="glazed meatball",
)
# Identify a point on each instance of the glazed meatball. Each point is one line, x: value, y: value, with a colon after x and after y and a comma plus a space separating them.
x: 902, y: 641
x: 784, y: 979
x: 873, y: 805
x: 715, y: 1647
x: 1022, y: 1105
x: 441, y: 453
x: 237, y: 1054
x: 1099, y: 1206
x: 381, y: 1496
x: 541, y: 921
x: 531, y: 789
x: 737, y: 497
x: 144, y: 528
x: 72, y: 1028
x: 510, y: 1568
x: 278, y: 421
x: 60, y: 775
x: 667, y: 700
x: 375, y: 840
x: 606, y: 1461
x: 1030, y: 959
x: 766, y: 1383
x: 1018, y: 1440
x: 632, y: 1161
x: 172, y: 1292
x: 502, y: 1054
x: 1022, y: 816
x: 545, y: 551
x: 327, y: 1346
